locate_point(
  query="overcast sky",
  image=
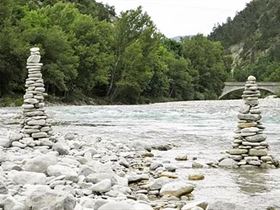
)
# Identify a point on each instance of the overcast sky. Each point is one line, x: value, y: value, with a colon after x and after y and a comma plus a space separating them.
x: 183, y: 17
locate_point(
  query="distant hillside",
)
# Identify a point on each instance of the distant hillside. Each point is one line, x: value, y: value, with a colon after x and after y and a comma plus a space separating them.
x: 253, y: 40
x: 179, y: 38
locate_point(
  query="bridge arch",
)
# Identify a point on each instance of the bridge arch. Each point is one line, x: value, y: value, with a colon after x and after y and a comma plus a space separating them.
x: 230, y: 87
x: 242, y: 88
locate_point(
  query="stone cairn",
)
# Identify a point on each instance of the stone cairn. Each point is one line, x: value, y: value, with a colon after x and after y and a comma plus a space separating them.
x: 36, y: 127
x: 249, y: 146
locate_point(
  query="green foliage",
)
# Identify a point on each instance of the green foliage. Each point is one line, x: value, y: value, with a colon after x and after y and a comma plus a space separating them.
x: 12, y: 100
x: 134, y: 46
x: 256, y: 33
x: 89, y: 52
x: 208, y: 65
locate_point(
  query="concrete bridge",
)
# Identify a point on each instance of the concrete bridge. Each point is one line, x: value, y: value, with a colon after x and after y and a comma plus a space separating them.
x: 272, y: 87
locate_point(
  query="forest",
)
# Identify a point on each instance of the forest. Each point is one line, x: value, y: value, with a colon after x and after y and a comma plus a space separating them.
x: 92, y: 55
x: 252, y: 38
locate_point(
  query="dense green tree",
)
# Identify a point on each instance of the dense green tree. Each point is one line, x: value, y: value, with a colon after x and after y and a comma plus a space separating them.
x: 253, y: 38
x: 135, y: 43
x: 58, y: 56
x: 207, y: 59
x: 89, y: 52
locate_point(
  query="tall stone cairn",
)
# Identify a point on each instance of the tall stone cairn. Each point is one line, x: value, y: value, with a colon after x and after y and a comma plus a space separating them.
x: 36, y: 127
x: 249, y: 146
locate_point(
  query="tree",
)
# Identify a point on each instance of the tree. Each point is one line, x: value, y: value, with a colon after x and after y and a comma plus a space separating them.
x: 134, y: 44
x: 207, y: 59
x: 58, y: 56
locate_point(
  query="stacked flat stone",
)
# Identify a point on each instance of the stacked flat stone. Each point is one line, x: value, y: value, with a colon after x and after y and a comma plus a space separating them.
x: 249, y: 146
x: 36, y: 127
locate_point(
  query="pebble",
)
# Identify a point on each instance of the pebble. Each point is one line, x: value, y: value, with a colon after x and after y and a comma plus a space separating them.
x: 27, y: 177
x: 102, y: 186
x: 197, y: 165
x: 176, y: 188
x: 183, y: 157
x: 196, y: 177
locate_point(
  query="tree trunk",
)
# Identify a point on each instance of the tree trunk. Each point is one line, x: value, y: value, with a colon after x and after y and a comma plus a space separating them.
x: 112, y: 80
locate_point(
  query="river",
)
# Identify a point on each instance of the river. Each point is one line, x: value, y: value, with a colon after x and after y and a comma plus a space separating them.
x: 201, y: 129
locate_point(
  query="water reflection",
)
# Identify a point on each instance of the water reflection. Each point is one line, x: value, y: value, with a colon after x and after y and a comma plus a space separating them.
x: 251, y: 181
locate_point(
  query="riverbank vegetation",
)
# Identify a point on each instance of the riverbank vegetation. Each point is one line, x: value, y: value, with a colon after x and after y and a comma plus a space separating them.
x: 90, y: 52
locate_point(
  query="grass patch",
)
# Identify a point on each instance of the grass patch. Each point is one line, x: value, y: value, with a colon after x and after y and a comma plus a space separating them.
x: 11, y: 101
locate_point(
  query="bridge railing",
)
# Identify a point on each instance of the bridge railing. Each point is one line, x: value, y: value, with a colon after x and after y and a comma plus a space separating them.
x: 259, y: 83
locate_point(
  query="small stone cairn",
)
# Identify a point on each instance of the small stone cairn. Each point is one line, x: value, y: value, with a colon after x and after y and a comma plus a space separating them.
x: 249, y: 146
x: 36, y: 127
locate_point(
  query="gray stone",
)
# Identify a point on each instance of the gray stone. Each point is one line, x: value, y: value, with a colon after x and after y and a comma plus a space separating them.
x: 44, y: 198
x: 251, y: 78
x: 69, y: 136
x: 15, y: 137
x: 170, y: 167
x: 250, y: 130
x: 30, y: 131
x: 98, y: 177
x: 255, y: 111
x: 27, y: 106
x: 176, y: 188
x: 40, y: 163
x: 137, y: 177
x: 251, y: 158
x: 102, y: 186
x: 236, y: 157
x: 251, y: 117
x: 247, y: 124
x: 31, y: 101
x: 18, y: 144
x: 34, y: 59
x: 3, y: 158
x: 155, y: 165
x: 45, y: 129
x: 183, y: 157
x: 45, y: 142
x: 58, y: 170
x: 27, y: 177
x: 196, y: 206
x: 266, y: 158
x: 39, y: 135
x: 237, y: 151
x: 246, y: 143
x: 60, y: 148
x: 256, y: 138
x: 228, y: 163
x: 260, y: 152
x: 88, y: 203
x: 142, y: 206
x: 159, y: 182
x: 121, y: 205
x: 5, y: 142
x: 124, y: 162
x: 10, y: 203
x: 36, y: 122
x: 3, y: 188
x: 254, y: 162
x: 197, y: 165
x: 40, y: 89
x: 196, y: 176
x: 244, y: 109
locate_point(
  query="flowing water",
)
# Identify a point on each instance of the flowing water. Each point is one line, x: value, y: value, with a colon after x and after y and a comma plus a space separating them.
x: 201, y: 129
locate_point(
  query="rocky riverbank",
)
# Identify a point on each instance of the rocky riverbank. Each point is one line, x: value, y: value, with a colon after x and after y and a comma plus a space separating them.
x: 87, y: 168
x: 81, y: 173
